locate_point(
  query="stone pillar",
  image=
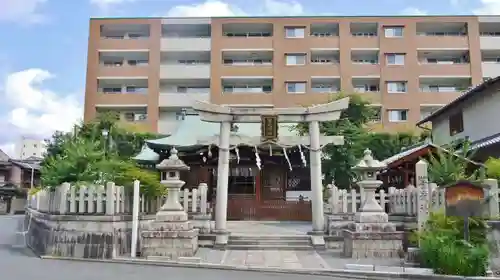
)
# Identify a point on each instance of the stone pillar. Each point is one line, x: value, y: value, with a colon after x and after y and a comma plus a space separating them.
x: 170, y: 235
x: 222, y: 186
x: 371, y: 235
x: 422, y: 183
x: 318, y: 220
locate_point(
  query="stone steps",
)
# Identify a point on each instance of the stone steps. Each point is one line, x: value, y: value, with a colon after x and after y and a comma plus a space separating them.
x: 270, y: 242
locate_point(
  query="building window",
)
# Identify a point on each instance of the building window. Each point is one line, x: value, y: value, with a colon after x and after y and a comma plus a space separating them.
x: 396, y: 87
x: 393, y: 32
x: 295, y: 59
x: 398, y: 115
x: 296, y: 87
x: 395, y: 59
x: 295, y: 32
x: 456, y: 123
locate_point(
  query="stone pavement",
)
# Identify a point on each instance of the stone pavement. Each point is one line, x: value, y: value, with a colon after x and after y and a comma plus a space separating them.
x: 285, y: 259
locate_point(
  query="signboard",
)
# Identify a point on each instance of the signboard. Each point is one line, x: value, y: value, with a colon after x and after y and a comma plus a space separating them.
x: 269, y: 127
x: 464, y: 199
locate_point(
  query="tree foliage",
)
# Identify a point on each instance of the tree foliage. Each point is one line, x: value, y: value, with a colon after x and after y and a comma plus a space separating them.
x: 353, y: 125
x: 86, y: 156
x: 451, y: 165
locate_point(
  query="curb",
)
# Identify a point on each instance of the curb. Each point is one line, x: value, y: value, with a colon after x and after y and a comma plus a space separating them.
x: 340, y: 273
x: 325, y: 272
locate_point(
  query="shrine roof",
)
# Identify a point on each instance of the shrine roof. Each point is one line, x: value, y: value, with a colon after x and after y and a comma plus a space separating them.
x: 192, y: 132
x: 401, y: 156
x: 147, y: 155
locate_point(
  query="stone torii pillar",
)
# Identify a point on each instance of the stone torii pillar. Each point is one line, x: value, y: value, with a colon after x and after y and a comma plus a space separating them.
x: 226, y: 115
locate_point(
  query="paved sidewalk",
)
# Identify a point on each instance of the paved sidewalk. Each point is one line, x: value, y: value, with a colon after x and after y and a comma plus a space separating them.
x: 285, y: 259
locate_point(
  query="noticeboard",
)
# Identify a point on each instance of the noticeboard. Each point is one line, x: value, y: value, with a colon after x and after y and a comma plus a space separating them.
x: 464, y: 199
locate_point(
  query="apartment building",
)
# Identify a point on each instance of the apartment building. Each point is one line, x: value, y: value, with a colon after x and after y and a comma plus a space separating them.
x: 151, y: 69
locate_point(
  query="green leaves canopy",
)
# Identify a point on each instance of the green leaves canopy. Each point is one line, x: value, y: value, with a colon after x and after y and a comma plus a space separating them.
x: 339, y: 160
x: 87, y: 157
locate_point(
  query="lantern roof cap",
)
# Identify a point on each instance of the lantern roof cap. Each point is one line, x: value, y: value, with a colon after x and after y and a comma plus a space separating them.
x: 173, y: 163
x: 368, y: 163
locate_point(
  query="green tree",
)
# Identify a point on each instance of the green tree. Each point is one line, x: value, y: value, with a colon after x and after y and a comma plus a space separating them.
x: 353, y: 125
x: 86, y: 156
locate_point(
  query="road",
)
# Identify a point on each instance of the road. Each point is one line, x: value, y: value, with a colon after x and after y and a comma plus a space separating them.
x: 20, y: 264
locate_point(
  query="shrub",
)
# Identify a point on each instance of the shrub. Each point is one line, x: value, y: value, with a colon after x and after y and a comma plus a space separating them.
x: 443, y: 249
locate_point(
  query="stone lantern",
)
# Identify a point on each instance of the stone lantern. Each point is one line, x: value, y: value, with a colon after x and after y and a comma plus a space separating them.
x: 371, y: 235
x: 170, y: 176
x: 367, y: 170
x: 170, y: 235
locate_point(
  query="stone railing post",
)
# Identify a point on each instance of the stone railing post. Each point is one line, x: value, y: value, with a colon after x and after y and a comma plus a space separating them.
x: 203, y: 188
x: 493, y: 193
x: 110, y: 198
x: 62, y: 195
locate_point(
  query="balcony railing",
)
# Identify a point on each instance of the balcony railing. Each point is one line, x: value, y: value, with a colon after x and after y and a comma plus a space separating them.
x: 125, y: 63
x: 490, y: 34
x: 442, y: 88
x: 440, y: 34
x: 247, y: 62
x: 127, y: 90
x: 365, y: 61
x: 247, y: 89
x: 248, y: 34
x: 126, y: 36
x: 331, y: 89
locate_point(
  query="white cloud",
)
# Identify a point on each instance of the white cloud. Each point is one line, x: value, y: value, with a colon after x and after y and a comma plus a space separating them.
x: 488, y: 7
x: 215, y: 8
x: 412, y: 11
x: 23, y: 11
x: 9, y: 149
x: 106, y: 4
x: 35, y: 110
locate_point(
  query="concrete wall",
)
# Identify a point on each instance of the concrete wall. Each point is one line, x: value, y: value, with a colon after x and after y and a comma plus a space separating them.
x: 80, y: 236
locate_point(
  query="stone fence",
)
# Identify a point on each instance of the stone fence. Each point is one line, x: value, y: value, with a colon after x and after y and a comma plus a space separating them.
x: 396, y: 201
x: 109, y: 200
x: 97, y: 221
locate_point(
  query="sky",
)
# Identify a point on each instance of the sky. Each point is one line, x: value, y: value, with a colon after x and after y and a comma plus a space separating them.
x: 43, y: 46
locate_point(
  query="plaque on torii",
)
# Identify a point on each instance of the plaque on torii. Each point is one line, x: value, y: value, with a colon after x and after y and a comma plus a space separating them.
x: 269, y: 127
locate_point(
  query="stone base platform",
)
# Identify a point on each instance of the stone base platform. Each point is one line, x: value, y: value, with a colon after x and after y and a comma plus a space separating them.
x: 170, y: 236
x: 377, y: 240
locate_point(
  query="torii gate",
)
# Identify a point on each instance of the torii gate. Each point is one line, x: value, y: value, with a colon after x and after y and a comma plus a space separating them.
x: 226, y: 115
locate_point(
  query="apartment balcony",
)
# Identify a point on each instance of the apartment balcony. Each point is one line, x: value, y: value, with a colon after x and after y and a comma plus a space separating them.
x: 489, y: 33
x: 322, y: 63
x: 324, y: 35
x: 185, y: 65
x: 427, y: 110
x: 365, y: 63
x: 247, y: 63
x: 123, y: 64
x: 364, y: 35
x: 444, y: 35
x: 246, y: 90
x: 437, y: 62
x: 490, y: 63
x: 122, y: 92
x: 182, y: 93
x: 186, y: 37
x: 124, y: 37
x: 442, y: 90
x: 247, y: 36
